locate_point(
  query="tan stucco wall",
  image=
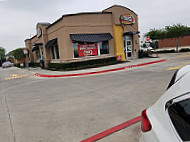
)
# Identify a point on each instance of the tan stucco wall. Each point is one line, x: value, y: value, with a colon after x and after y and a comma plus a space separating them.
x: 79, y: 24
x: 29, y: 46
x: 116, y: 12
x: 136, y: 46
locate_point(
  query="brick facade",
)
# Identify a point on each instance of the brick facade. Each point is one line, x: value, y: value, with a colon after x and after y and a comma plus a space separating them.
x: 185, y: 41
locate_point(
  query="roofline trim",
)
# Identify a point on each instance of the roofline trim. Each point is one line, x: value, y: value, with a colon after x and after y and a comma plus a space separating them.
x: 31, y: 38
x: 76, y: 14
x: 121, y: 7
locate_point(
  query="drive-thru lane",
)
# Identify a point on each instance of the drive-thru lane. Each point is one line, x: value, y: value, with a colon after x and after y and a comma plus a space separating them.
x: 75, y: 109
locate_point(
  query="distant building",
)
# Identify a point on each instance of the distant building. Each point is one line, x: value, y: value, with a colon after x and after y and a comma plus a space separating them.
x: 167, y: 43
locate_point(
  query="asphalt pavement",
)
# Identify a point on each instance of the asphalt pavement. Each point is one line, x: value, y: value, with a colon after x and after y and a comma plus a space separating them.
x: 71, y: 109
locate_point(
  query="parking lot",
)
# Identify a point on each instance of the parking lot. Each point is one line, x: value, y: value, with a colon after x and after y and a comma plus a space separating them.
x: 72, y: 109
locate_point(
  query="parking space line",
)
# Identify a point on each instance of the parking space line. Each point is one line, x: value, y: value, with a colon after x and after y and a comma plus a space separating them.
x: 112, y: 130
x: 15, y: 76
x: 175, y: 68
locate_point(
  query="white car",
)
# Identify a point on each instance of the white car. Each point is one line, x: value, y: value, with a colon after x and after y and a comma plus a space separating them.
x: 168, y: 120
x: 7, y: 64
x: 147, y: 48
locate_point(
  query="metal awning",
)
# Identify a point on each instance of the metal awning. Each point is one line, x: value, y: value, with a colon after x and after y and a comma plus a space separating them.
x: 36, y: 46
x: 91, y: 38
x: 51, y: 43
x: 131, y: 33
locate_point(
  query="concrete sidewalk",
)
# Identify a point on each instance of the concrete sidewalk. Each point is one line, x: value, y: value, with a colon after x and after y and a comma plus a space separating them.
x: 109, y: 67
x: 129, y: 63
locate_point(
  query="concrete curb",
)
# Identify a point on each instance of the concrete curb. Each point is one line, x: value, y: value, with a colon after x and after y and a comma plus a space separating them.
x: 100, y: 72
x: 112, y: 130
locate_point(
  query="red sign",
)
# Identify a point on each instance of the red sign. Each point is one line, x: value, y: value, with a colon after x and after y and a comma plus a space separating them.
x: 87, y: 50
x: 147, y: 38
x: 119, y: 57
x: 25, y: 51
x: 127, y: 19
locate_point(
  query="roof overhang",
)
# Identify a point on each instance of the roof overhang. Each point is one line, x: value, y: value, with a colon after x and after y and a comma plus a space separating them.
x: 131, y: 33
x: 50, y: 43
x: 91, y: 38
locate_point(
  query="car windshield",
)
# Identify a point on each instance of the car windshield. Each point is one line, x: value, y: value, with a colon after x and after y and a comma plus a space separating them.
x: 180, y: 116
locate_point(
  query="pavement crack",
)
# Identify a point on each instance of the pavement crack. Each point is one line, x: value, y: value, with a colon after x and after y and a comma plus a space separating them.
x: 9, y: 114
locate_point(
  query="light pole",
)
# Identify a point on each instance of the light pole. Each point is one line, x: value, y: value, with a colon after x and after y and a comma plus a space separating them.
x: 0, y: 60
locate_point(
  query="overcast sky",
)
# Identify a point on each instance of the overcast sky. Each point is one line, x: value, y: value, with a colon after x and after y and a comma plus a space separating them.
x: 18, y: 18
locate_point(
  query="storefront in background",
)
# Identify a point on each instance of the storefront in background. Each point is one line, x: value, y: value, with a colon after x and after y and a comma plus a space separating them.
x: 84, y: 36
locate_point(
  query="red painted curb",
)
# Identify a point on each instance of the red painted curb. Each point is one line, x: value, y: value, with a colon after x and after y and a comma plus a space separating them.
x: 98, y: 72
x: 112, y: 130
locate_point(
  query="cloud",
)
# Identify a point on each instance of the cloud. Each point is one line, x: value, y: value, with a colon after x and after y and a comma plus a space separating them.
x: 19, y: 17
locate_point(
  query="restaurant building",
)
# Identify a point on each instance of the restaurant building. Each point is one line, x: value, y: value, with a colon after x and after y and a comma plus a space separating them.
x: 85, y: 36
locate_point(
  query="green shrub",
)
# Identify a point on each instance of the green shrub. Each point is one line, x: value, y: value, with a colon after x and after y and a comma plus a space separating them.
x: 34, y: 65
x: 184, y: 50
x: 17, y: 64
x: 147, y: 53
x: 166, y: 51
x: 82, y: 64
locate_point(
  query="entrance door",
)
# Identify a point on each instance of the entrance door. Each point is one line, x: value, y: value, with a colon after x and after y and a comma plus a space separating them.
x: 128, y: 47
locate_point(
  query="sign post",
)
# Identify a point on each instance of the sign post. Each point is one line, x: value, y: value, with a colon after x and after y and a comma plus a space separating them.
x: 25, y: 51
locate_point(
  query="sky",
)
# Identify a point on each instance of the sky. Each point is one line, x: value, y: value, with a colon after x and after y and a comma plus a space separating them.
x: 18, y: 18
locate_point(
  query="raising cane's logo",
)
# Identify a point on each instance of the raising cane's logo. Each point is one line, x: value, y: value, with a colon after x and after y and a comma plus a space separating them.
x: 127, y: 19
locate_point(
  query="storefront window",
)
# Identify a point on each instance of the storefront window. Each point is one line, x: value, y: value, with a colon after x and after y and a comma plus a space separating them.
x: 104, y: 49
x: 75, y: 50
x: 55, y: 52
x: 83, y: 50
x: 91, y: 49
x: 42, y: 52
x: 38, y: 55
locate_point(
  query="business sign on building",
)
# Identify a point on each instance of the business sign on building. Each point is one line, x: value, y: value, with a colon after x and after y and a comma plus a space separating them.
x: 87, y: 50
x: 127, y: 19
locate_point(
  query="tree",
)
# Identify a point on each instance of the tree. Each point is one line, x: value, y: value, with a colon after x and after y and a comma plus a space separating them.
x: 155, y: 34
x: 2, y: 53
x: 18, y: 53
x: 176, y: 31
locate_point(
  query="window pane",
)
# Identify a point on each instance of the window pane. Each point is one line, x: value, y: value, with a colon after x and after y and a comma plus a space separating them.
x: 104, y: 49
x: 180, y: 116
x: 38, y: 55
x: 75, y: 49
x: 57, y: 51
x: 52, y: 53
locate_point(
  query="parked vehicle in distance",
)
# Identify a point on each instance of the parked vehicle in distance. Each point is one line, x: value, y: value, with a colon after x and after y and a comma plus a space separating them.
x: 7, y: 64
x: 168, y: 120
x: 147, y: 48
